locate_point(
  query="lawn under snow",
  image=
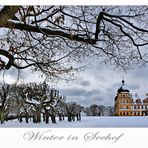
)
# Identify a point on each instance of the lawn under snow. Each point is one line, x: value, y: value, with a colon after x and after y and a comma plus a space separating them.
x: 87, y: 122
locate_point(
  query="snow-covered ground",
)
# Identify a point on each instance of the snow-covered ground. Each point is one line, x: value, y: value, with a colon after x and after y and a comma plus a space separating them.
x: 87, y: 122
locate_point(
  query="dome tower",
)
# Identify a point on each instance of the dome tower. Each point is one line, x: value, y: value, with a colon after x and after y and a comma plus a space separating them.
x: 123, y: 101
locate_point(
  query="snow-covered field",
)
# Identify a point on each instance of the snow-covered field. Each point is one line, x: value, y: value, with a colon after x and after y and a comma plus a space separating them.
x: 87, y: 122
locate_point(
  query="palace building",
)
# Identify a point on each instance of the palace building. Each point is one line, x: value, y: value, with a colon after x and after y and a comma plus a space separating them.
x: 125, y: 105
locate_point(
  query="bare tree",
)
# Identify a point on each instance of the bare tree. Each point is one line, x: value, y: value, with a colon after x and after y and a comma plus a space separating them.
x: 99, y: 110
x: 50, y: 38
x: 61, y: 107
x: 95, y: 110
x: 41, y: 97
x: 4, y: 89
x: 50, y: 105
x: 110, y: 111
x: 73, y: 110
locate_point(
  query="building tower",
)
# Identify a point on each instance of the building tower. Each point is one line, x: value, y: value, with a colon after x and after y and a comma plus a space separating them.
x: 123, y: 101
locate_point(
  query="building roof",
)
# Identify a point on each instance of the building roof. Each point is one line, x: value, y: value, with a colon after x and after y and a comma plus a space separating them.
x: 122, y: 88
x: 145, y: 100
x: 138, y: 100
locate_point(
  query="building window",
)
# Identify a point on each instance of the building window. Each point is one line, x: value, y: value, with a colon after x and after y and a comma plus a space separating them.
x: 120, y: 101
x: 119, y: 95
x: 125, y: 101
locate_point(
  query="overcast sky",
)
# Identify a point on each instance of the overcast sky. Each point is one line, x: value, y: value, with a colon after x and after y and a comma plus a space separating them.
x: 98, y: 84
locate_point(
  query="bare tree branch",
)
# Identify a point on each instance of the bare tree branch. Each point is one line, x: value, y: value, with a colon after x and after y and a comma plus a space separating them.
x: 52, y: 39
x: 6, y: 13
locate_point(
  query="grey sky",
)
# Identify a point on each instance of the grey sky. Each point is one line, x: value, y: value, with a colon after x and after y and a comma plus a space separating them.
x: 102, y: 84
x: 98, y: 84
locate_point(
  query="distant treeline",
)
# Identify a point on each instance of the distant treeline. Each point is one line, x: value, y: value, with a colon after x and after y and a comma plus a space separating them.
x: 99, y: 110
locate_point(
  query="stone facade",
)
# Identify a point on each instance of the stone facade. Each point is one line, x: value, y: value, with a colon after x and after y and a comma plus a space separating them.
x: 125, y: 105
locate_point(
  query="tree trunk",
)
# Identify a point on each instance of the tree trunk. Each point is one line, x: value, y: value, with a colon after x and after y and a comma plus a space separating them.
x: 60, y: 117
x: 73, y: 117
x: 26, y: 117
x: 46, y: 117
x: 53, y: 119
x: 2, y: 116
x: 8, y: 13
x: 79, y: 116
x: 20, y: 118
x: 63, y: 117
x: 34, y: 118
x: 69, y: 117
x: 38, y: 115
